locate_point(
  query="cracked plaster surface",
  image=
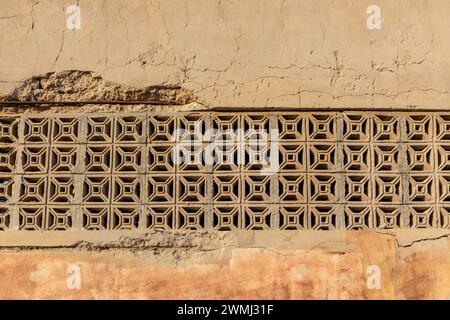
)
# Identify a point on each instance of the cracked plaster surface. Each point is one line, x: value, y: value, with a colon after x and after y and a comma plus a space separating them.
x: 241, y: 53
x: 249, y: 265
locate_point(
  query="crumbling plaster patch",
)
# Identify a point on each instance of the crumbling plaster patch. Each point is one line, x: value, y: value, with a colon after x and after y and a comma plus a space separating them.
x: 88, y: 87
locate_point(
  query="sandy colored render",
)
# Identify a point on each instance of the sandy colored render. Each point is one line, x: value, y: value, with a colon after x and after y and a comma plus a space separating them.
x: 213, y: 55
x: 268, y: 53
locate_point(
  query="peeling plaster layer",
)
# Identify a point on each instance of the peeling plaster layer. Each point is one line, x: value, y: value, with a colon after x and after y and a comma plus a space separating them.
x: 241, y: 53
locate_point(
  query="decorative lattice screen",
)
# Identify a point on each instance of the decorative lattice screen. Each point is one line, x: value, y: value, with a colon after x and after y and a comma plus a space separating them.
x: 207, y: 170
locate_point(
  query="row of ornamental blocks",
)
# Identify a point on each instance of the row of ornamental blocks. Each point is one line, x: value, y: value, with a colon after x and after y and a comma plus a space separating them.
x: 225, y: 188
x: 224, y: 217
x: 184, y: 158
x: 344, y: 170
x: 209, y: 126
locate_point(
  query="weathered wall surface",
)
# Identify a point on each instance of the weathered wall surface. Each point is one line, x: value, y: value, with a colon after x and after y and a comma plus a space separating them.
x: 241, y: 53
x: 224, y: 53
x: 245, y: 265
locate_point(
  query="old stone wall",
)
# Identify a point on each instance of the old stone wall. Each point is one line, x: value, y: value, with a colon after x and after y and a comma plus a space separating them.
x: 360, y: 212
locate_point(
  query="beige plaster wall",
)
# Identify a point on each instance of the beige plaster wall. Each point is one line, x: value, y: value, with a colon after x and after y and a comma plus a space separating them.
x: 253, y: 53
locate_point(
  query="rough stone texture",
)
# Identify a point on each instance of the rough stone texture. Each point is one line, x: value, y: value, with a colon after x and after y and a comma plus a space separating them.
x: 82, y: 86
x: 224, y: 53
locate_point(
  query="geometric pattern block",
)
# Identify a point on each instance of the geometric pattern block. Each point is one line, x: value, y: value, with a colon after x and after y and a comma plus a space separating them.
x: 357, y: 188
x: 191, y: 128
x: 388, y: 217
x: 124, y: 218
x: 128, y: 159
x: 33, y: 189
x: 99, y: 130
x: 291, y: 127
x: 226, y: 217
x: 323, y: 218
x: 356, y: 127
x: 161, y: 129
x: 386, y: 128
x: 8, y: 156
x: 256, y: 127
x: 96, y: 218
x: 387, y: 189
x: 97, y: 189
x: 256, y: 218
x: 256, y: 188
x: 32, y: 218
x: 5, y: 218
x: 98, y: 159
x: 226, y: 127
x: 423, y: 217
x: 421, y: 189
x: 420, y: 157
x: 9, y: 130
x: 189, y: 156
x: 322, y: 188
x: 292, y: 157
x: 191, y: 188
x: 293, y: 218
x: 37, y: 130
x: 63, y: 159
x: 225, y: 156
x: 356, y: 157
x: 386, y: 158
x: 226, y: 188
x: 292, y: 188
x: 66, y: 130
x: 256, y: 155
x: 161, y: 189
x: 322, y: 127
x: 160, y: 217
x: 61, y: 189
x: 126, y: 189
x: 129, y: 129
x: 190, y: 217
x: 6, y: 190
x: 161, y: 158
x: 35, y: 159
x: 419, y: 128
x: 358, y: 218
x: 322, y: 157
x: 59, y: 218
